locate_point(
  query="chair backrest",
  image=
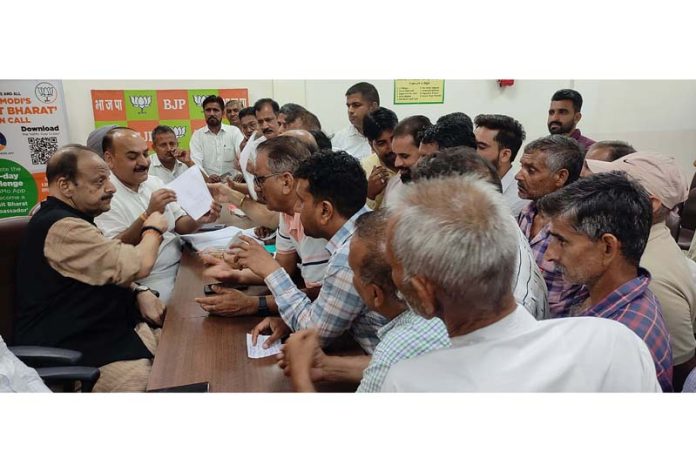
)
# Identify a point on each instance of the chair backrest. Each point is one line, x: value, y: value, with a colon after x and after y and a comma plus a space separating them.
x: 688, y: 215
x: 11, y: 234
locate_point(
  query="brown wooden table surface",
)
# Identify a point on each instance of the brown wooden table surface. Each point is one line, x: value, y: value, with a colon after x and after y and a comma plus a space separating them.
x: 195, y: 347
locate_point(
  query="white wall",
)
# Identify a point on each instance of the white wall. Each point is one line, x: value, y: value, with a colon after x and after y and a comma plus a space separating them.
x: 651, y: 115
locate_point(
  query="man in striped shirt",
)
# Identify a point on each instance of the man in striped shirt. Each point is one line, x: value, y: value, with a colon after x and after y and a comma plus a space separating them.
x: 599, y: 228
x: 406, y: 335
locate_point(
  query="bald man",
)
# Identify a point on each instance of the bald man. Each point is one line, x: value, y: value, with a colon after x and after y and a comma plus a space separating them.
x: 138, y: 196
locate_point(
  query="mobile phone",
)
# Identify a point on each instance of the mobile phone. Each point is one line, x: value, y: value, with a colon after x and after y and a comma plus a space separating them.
x: 208, y: 289
x: 212, y: 227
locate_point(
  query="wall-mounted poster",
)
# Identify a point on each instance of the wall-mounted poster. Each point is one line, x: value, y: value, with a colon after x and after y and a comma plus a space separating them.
x: 143, y: 110
x: 418, y: 91
x: 33, y: 124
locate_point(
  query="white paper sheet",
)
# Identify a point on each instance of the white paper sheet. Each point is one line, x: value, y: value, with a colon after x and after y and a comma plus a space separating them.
x: 191, y: 192
x: 257, y: 352
x: 219, y: 239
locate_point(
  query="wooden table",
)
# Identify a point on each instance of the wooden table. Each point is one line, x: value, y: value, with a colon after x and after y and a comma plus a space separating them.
x: 195, y: 347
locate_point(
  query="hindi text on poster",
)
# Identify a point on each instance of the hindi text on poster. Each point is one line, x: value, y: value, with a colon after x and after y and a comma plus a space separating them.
x: 418, y: 91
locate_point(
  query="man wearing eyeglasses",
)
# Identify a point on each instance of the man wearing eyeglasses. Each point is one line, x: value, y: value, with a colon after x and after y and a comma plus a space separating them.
x: 276, y: 161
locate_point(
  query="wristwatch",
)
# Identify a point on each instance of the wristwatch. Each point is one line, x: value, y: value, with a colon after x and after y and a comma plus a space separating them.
x: 263, y: 307
x: 139, y: 288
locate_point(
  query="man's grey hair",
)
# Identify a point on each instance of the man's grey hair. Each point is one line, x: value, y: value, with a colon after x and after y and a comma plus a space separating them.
x: 457, y: 233
x: 561, y: 152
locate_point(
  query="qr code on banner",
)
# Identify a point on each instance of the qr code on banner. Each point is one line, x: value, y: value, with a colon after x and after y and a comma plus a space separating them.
x: 41, y: 149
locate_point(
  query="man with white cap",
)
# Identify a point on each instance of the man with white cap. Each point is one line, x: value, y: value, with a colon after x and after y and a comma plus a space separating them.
x: 671, y: 280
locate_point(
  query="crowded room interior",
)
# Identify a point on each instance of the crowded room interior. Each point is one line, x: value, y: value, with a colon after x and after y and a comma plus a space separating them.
x: 347, y: 236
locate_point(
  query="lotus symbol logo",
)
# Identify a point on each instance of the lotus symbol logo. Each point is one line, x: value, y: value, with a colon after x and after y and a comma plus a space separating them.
x: 141, y: 102
x: 45, y: 92
x: 179, y: 131
x: 199, y: 99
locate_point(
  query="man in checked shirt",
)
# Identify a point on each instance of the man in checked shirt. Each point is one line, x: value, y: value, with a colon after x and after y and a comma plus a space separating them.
x: 599, y: 229
x: 331, y: 192
x: 547, y: 165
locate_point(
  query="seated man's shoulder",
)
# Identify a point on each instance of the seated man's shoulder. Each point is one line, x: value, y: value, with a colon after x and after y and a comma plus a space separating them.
x: 589, y: 332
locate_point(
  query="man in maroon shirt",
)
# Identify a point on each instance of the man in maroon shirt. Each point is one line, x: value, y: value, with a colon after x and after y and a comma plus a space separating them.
x: 564, y: 115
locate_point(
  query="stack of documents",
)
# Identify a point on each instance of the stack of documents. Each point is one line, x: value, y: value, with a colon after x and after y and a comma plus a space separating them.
x: 219, y: 239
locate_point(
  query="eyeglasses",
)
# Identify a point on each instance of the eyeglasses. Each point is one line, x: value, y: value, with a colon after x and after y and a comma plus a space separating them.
x: 260, y: 179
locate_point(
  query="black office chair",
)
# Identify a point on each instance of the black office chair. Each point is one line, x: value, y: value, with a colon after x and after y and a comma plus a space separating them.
x: 57, y: 367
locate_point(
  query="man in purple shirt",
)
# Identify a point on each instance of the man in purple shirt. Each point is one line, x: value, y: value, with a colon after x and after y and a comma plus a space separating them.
x: 564, y: 115
x: 547, y: 165
x: 599, y: 229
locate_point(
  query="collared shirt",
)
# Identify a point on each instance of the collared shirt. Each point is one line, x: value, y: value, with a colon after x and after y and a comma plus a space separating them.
x: 247, y: 155
x: 126, y: 207
x: 15, y: 376
x: 406, y: 336
x: 634, y: 305
x: 584, y: 141
x: 564, y: 298
x: 512, y: 197
x: 216, y: 153
x: 529, y: 287
x: 368, y: 164
x: 673, y: 286
x: 392, y: 190
x: 165, y: 175
x: 338, y: 308
x: 521, y: 354
x: 350, y: 140
x: 312, y: 251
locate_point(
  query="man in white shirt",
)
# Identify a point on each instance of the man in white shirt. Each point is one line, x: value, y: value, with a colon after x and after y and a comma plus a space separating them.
x: 462, y: 273
x: 529, y: 287
x: 361, y: 99
x: 215, y: 146
x: 137, y: 196
x: 498, y: 139
x: 15, y: 376
x: 168, y: 162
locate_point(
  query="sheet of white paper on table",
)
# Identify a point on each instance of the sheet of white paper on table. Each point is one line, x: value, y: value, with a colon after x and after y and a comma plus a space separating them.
x: 257, y: 352
x: 219, y: 239
x: 191, y: 192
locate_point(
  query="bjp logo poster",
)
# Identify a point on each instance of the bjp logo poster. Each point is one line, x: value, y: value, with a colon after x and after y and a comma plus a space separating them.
x: 143, y: 110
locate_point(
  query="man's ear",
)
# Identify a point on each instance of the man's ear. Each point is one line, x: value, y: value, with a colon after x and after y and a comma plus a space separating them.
x: 377, y: 294
x: 560, y: 178
x: 109, y: 159
x: 288, y: 183
x: 655, y: 203
x: 66, y: 187
x: 505, y: 155
x: 612, y: 248
x: 425, y: 291
x: 327, y: 212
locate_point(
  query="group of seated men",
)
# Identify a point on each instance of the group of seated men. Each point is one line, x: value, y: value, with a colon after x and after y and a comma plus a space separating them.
x: 409, y: 236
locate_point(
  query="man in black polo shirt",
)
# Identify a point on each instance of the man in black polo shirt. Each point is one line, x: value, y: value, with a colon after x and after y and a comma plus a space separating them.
x: 75, y: 287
